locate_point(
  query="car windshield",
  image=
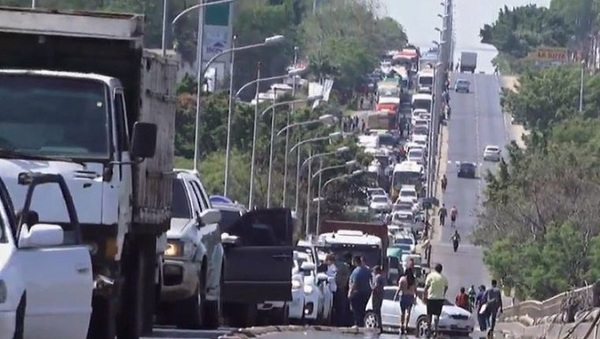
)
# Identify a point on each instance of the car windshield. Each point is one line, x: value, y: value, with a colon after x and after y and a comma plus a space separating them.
x: 403, y: 207
x: 54, y: 116
x: 422, y: 104
x: 408, y: 194
x: 376, y: 191
x: 397, y: 250
x: 493, y: 149
x: 405, y: 241
x: 380, y: 199
x: 466, y: 166
x: 425, y: 81
x: 180, y: 206
x: 371, y: 253
x: 387, y: 140
x: 416, y: 153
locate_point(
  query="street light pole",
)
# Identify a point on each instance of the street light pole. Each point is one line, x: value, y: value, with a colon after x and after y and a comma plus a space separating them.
x: 33, y: 4
x: 287, y: 134
x: 251, y: 191
x: 581, y: 87
x: 229, y: 117
x: 319, y: 190
x: 271, y: 147
x: 308, y: 187
x: 200, y: 80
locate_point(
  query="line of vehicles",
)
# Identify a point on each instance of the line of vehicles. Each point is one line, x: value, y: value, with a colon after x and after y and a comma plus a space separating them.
x: 100, y: 236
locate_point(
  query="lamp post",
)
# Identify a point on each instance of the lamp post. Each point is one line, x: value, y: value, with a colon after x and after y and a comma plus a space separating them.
x: 308, y: 189
x: 319, y: 197
x: 294, y: 72
x: 298, y: 166
x: 267, y: 42
x: 325, y: 118
x: 202, y: 4
x: 272, y: 146
x: 581, y: 86
x: 287, y: 133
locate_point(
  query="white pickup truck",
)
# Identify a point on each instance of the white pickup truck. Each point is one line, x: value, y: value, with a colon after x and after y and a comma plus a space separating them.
x: 46, y: 278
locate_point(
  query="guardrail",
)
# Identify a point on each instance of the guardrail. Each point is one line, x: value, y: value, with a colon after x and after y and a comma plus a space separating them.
x: 561, y: 308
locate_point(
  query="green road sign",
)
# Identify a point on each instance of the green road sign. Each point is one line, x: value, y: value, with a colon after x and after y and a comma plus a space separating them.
x: 217, y: 15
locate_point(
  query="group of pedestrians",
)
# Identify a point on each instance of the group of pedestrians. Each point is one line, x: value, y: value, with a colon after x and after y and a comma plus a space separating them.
x: 353, y: 124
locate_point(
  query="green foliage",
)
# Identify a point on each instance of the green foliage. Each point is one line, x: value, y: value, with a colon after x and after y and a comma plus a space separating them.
x: 539, y: 223
x: 519, y: 30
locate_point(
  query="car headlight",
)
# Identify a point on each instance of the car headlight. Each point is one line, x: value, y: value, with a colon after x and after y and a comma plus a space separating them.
x: 308, y: 289
x: 179, y: 249
x: 3, y: 292
x: 296, y: 285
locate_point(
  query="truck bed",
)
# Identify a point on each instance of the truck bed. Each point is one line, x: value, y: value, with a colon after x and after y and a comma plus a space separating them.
x: 108, y: 44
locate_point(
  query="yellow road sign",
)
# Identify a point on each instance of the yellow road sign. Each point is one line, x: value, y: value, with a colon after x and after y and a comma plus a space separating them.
x: 548, y: 53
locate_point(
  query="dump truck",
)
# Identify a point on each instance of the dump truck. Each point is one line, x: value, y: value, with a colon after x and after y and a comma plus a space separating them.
x: 83, y: 99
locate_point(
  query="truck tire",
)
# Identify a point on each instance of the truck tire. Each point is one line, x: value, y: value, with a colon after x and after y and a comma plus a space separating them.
x: 242, y: 315
x: 190, y: 311
x: 138, y: 290
x: 212, y: 314
x: 103, y: 319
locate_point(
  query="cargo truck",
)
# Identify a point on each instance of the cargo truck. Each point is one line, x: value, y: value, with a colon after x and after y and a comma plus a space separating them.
x: 82, y: 99
x: 468, y: 62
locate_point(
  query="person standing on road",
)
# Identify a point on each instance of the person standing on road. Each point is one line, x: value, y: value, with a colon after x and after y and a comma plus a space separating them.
x: 453, y: 216
x: 408, y: 288
x: 444, y: 183
x: 377, y: 292
x: 436, y: 286
x: 482, y: 317
x: 443, y: 213
x: 493, y: 301
x: 462, y: 300
x: 359, y: 291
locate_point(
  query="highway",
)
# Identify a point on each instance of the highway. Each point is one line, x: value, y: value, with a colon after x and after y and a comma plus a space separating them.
x: 476, y: 121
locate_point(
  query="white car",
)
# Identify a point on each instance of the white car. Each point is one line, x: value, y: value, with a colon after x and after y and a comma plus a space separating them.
x: 406, y: 240
x: 296, y: 307
x: 417, y: 155
x: 194, y: 256
x: 420, y: 123
x: 454, y: 320
x: 419, y: 139
x: 318, y: 298
x: 492, y: 153
x: 46, y: 277
x: 372, y: 192
x: 380, y: 203
x: 408, y: 193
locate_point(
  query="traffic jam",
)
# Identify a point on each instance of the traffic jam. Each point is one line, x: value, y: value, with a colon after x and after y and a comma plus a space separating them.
x: 102, y: 238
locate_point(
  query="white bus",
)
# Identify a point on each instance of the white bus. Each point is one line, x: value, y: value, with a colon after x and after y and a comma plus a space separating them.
x: 406, y: 173
x: 425, y: 81
x: 422, y: 101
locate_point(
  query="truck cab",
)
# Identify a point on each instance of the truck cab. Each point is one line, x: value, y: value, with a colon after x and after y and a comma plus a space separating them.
x: 82, y: 99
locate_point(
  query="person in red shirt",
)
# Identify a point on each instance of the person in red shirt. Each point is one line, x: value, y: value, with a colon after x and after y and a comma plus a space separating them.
x: 462, y: 299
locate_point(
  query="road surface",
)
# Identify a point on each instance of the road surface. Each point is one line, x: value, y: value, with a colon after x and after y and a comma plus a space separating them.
x: 476, y: 121
x: 172, y: 333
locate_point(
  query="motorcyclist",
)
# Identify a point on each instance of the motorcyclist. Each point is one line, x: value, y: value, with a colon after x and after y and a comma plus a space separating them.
x: 444, y: 182
x: 442, y: 213
x: 455, y: 240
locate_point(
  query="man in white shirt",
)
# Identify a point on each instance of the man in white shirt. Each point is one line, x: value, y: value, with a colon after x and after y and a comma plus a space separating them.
x: 436, y: 286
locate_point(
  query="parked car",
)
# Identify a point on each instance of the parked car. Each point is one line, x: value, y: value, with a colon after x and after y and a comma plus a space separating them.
x: 191, y: 290
x: 318, y: 298
x: 462, y: 85
x: 454, y: 320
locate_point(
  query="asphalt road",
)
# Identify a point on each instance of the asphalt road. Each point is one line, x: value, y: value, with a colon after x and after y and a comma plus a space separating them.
x: 476, y: 121
x: 172, y: 333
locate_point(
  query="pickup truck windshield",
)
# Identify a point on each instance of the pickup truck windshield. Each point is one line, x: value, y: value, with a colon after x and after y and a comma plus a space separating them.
x: 54, y: 116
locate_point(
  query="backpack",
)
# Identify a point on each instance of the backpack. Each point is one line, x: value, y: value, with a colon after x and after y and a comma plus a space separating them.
x: 493, y: 297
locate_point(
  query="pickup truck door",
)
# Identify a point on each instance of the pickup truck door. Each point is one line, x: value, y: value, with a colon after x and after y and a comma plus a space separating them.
x: 59, y: 284
x: 258, y: 268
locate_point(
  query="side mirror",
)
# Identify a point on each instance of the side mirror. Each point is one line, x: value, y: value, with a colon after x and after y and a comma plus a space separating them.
x: 307, y: 266
x: 322, y: 277
x: 228, y: 239
x: 210, y: 216
x: 41, y: 235
x: 143, y: 140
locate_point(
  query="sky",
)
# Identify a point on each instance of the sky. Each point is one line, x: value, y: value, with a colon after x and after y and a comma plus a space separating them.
x: 419, y: 18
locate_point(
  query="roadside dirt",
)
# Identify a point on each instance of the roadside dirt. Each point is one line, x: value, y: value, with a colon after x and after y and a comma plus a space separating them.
x: 515, y: 131
x: 547, y: 331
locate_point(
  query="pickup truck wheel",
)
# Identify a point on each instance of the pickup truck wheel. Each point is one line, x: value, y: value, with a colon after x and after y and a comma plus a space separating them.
x: 20, y: 321
x: 190, y: 311
x: 212, y: 314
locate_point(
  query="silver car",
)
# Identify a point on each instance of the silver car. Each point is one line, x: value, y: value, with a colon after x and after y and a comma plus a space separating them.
x: 492, y: 153
x: 380, y: 203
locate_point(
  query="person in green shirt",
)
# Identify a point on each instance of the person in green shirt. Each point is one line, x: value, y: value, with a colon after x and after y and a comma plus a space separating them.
x: 436, y: 286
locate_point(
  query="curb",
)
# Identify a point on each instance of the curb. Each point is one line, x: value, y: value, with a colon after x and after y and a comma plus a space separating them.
x: 256, y: 332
